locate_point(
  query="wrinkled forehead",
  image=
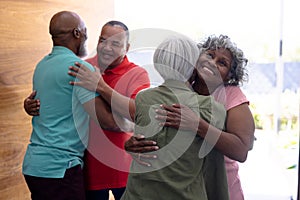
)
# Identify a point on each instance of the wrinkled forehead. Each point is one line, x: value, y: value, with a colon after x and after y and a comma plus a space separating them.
x: 114, y: 33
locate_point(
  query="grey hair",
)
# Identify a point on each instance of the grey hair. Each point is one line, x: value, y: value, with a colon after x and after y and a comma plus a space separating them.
x: 175, y: 58
x: 238, y: 73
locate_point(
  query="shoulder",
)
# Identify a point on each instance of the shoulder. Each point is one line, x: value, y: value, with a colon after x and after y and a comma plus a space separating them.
x: 132, y: 65
x: 234, y: 93
x: 230, y: 96
x: 234, y: 89
x: 92, y: 60
x: 136, y: 68
x: 144, y: 93
x: 207, y: 102
x: 87, y: 64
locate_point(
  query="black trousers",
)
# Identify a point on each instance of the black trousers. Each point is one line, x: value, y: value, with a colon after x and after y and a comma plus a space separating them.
x: 70, y: 187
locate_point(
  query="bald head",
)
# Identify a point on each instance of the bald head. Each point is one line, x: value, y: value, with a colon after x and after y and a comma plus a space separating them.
x: 68, y: 29
x: 64, y: 22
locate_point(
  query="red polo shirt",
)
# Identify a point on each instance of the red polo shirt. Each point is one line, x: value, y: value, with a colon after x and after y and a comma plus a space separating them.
x: 106, y: 162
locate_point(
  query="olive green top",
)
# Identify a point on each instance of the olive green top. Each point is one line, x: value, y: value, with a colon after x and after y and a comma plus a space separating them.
x: 178, y: 173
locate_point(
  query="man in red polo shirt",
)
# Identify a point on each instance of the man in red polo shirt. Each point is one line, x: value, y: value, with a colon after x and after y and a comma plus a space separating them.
x: 106, y: 162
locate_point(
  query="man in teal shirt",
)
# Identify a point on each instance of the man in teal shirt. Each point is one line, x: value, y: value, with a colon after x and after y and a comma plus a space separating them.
x: 52, y: 165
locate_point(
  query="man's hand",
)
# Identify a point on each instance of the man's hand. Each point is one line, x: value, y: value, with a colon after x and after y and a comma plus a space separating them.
x: 137, y: 145
x: 31, y: 105
x: 87, y: 78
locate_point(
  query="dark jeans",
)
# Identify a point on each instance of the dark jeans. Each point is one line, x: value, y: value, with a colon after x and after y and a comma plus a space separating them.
x: 104, y: 194
x: 71, y: 186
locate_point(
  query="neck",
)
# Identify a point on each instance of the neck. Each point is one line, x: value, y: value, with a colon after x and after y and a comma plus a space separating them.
x: 66, y: 43
x: 200, y: 88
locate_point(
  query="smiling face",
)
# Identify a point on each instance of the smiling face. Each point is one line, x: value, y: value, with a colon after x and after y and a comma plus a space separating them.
x: 112, y: 46
x: 213, y: 67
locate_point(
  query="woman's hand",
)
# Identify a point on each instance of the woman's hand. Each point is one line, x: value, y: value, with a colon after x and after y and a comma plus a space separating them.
x: 31, y: 105
x: 177, y: 116
x: 137, y: 145
x: 88, y: 79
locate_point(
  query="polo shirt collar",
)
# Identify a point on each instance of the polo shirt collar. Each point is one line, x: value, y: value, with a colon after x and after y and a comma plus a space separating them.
x: 61, y: 49
x: 121, y: 68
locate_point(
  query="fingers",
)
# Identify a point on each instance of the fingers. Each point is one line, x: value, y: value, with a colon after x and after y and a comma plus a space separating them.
x: 147, y: 144
x: 32, y: 106
x: 138, y: 137
x: 79, y: 83
x: 167, y: 107
x: 174, y: 108
x: 32, y: 95
x: 167, y: 116
x: 143, y: 159
x: 34, y: 113
x: 72, y: 73
x: 144, y: 149
x: 74, y: 70
x: 81, y: 66
x: 138, y: 160
x: 141, y: 146
x: 161, y: 112
x: 176, y: 105
x: 138, y: 144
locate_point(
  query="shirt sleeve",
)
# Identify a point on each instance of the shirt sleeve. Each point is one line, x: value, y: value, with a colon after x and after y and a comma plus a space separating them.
x: 230, y: 96
x: 135, y: 80
x: 139, y: 82
x: 235, y: 97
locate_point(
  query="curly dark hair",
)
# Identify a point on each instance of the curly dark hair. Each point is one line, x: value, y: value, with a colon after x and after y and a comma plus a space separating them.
x: 238, y: 73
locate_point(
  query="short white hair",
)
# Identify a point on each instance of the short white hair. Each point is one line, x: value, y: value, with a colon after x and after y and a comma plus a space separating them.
x: 175, y: 58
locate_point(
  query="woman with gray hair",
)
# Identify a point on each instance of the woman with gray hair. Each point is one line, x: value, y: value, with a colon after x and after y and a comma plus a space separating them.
x: 175, y: 58
x: 178, y: 171
x: 221, y: 70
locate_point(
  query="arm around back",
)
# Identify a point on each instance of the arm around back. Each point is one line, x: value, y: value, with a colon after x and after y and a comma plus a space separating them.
x: 100, y: 112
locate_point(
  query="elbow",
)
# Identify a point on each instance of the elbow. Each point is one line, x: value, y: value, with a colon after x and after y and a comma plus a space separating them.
x: 243, y: 157
x: 239, y: 156
x: 108, y: 123
x: 108, y: 126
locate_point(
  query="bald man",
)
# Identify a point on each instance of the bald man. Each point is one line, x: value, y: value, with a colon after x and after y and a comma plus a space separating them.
x: 53, y: 162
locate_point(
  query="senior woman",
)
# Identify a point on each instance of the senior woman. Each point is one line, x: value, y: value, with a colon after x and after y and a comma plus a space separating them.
x: 178, y: 172
x: 222, y: 69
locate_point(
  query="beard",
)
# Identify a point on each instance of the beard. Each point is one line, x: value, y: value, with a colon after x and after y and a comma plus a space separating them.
x: 82, y: 51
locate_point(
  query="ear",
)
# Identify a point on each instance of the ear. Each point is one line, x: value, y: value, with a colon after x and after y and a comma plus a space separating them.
x: 76, y: 33
x: 127, y: 47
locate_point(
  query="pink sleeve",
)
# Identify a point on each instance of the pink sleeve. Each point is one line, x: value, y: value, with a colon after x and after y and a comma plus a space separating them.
x: 230, y: 96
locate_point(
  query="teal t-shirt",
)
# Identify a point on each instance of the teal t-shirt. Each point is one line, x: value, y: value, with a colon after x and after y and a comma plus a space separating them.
x: 60, y: 133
